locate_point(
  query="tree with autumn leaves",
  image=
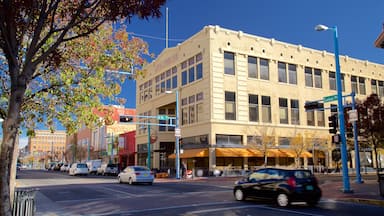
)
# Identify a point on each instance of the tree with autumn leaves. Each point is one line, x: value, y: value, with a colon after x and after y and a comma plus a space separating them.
x: 53, y: 56
x: 370, y: 124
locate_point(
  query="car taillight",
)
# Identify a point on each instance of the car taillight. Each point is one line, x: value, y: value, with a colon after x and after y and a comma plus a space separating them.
x: 291, y: 182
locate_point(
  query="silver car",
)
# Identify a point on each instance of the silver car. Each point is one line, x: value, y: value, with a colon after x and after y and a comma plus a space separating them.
x: 136, y: 174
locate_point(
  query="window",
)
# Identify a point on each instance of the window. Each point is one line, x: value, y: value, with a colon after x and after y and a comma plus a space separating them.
x: 184, y: 78
x: 162, y: 112
x: 381, y: 88
x: 191, y: 74
x: 252, y: 67
x: 229, y: 63
x: 264, y: 69
x: 318, y: 79
x: 283, y: 106
x: 266, y: 109
x: 295, y: 114
x: 332, y: 80
x: 199, y: 112
x: 374, y: 86
x: 308, y: 77
x: 192, y: 114
x: 311, y: 118
x: 184, y: 116
x: 228, y: 139
x: 320, y: 118
x: 199, y: 71
x: 342, y: 82
x: 362, y: 85
x: 292, y: 73
x: 253, y: 108
x: 282, y: 72
x: 354, y: 84
x: 230, y: 106
x: 168, y: 84
x: 174, y: 82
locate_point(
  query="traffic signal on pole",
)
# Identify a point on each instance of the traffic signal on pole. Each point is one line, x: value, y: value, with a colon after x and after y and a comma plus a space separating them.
x: 313, y: 105
x: 124, y: 118
x: 333, y: 124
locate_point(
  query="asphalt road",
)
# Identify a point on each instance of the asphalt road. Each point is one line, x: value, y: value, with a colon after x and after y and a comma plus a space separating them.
x: 60, y: 194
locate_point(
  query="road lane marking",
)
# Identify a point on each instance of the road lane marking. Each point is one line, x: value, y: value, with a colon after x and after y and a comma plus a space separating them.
x: 251, y: 206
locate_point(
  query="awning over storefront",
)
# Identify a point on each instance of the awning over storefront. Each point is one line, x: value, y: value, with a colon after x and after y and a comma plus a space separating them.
x: 237, y: 152
x: 292, y: 153
x: 192, y: 153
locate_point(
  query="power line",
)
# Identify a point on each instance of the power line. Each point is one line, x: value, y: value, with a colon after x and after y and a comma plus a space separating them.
x: 156, y: 38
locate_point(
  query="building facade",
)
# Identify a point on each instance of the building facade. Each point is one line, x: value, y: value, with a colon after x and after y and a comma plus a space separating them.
x: 100, y: 142
x: 47, y: 146
x: 241, y: 101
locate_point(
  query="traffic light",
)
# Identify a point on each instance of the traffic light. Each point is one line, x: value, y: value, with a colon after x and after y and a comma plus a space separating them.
x: 124, y: 118
x: 313, y: 105
x: 333, y: 124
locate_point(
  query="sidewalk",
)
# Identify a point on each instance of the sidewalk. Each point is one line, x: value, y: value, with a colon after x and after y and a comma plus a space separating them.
x: 366, y: 193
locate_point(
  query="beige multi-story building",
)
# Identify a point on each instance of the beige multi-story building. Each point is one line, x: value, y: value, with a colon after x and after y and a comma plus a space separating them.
x: 47, y: 146
x: 242, y: 97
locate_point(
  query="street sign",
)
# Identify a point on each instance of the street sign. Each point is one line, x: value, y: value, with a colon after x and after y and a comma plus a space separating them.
x: 177, y: 132
x: 329, y: 98
x: 352, y: 116
x: 162, y: 117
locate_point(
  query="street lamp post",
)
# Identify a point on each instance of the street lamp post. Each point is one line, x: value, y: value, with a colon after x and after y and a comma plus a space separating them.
x: 177, y: 130
x: 340, y: 109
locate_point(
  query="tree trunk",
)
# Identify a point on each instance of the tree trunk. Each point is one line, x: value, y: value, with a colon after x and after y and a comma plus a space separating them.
x: 7, y: 150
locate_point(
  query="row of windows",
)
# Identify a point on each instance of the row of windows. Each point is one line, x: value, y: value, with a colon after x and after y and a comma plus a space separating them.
x: 289, y: 111
x: 225, y: 139
x: 287, y: 73
x: 192, y: 70
x: 191, y: 109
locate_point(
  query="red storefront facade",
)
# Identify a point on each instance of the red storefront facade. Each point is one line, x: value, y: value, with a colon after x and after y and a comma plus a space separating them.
x: 127, y: 150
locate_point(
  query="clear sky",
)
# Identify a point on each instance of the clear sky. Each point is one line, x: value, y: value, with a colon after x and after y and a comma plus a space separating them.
x: 292, y: 21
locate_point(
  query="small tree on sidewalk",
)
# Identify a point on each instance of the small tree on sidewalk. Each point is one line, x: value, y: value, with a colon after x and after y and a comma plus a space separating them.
x: 371, y: 123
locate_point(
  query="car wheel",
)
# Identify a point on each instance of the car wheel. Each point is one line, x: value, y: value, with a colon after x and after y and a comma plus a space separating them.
x: 130, y: 181
x: 282, y: 200
x: 239, y: 194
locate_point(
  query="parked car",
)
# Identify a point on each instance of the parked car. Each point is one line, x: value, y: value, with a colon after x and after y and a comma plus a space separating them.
x: 136, y: 174
x: 57, y: 166
x: 93, y: 165
x: 108, y: 169
x: 64, y: 167
x: 78, y: 169
x: 281, y: 185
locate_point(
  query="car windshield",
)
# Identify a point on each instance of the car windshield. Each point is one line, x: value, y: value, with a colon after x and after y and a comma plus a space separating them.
x: 81, y: 165
x: 141, y: 169
x: 112, y: 165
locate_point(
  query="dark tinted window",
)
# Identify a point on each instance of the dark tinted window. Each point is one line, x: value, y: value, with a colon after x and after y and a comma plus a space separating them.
x: 141, y: 169
x: 300, y: 174
x: 112, y: 165
x: 82, y: 166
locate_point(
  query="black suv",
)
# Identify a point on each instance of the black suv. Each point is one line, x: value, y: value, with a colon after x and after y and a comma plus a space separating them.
x: 281, y: 185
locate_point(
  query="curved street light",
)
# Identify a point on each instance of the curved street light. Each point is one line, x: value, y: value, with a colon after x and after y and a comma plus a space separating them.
x: 340, y: 109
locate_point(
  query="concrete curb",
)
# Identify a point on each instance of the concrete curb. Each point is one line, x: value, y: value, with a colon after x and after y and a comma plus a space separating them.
x: 365, y: 201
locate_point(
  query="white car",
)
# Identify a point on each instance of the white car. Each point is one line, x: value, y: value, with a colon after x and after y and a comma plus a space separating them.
x: 136, y: 174
x: 64, y: 167
x: 108, y: 169
x: 78, y: 169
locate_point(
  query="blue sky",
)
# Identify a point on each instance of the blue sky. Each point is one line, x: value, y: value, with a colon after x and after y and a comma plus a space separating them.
x: 359, y: 23
x: 292, y: 21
